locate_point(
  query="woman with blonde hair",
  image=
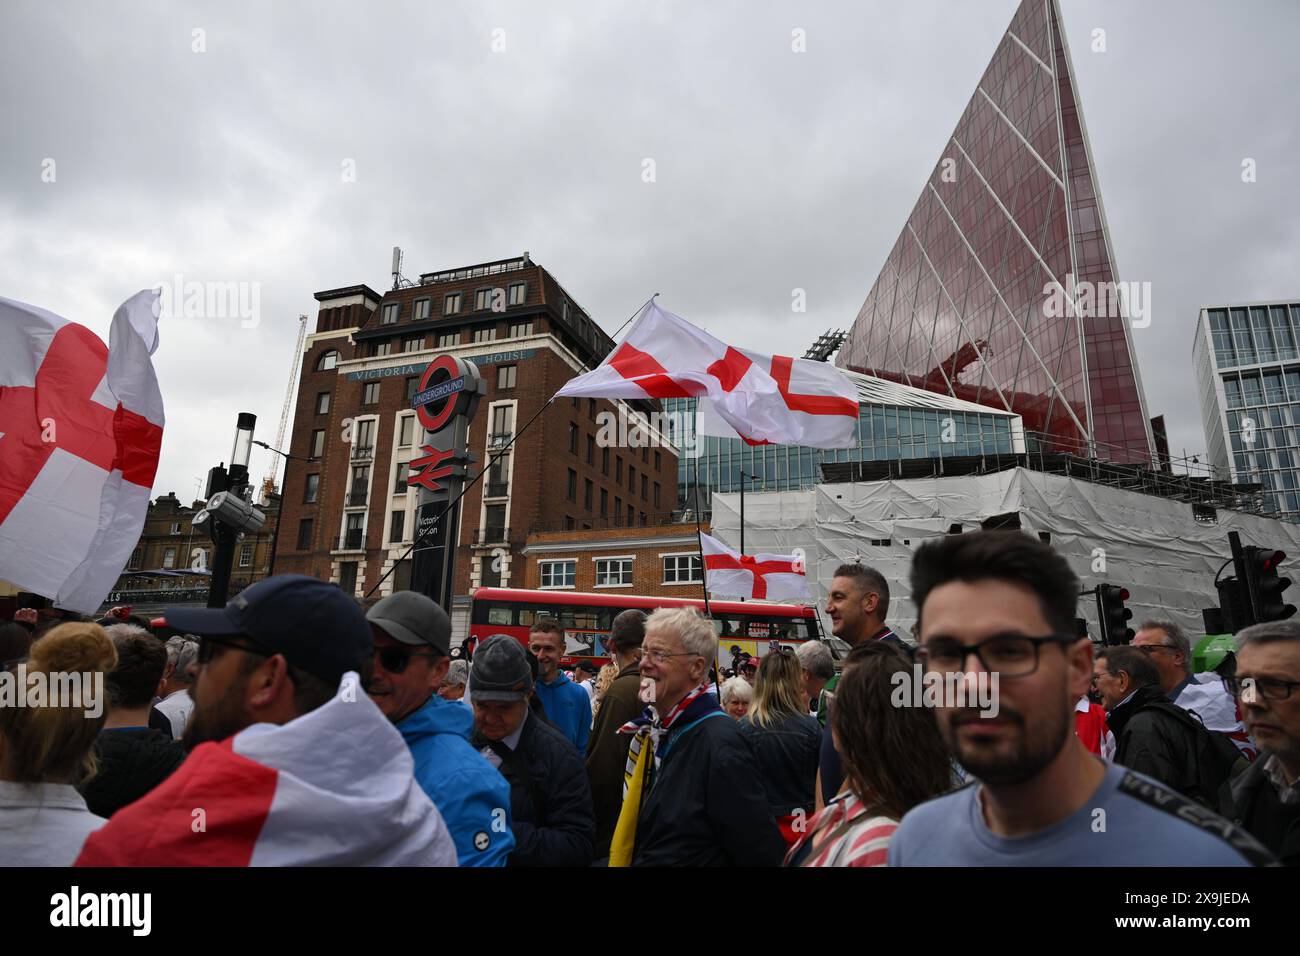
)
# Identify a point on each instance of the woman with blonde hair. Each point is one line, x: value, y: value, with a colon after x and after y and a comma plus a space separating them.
x: 785, y: 737
x: 604, y: 678
x: 47, y: 745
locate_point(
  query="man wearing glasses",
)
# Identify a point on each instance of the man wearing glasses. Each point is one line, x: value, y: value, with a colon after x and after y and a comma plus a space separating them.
x: 1266, y: 797
x: 1170, y: 650
x: 705, y: 804
x: 1004, y: 602
x: 292, y: 764
x: 412, y: 636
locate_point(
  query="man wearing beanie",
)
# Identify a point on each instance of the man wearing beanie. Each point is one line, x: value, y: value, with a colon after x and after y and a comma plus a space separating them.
x: 292, y: 764
x: 412, y: 636
x: 550, y: 800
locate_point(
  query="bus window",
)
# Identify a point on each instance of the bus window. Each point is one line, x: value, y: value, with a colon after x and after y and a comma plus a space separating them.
x: 529, y: 614
x: 501, y: 614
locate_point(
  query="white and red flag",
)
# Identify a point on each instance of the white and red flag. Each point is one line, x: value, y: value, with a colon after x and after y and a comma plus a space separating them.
x: 80, y: 432
x: 764, y: 399
x: 773, y: 577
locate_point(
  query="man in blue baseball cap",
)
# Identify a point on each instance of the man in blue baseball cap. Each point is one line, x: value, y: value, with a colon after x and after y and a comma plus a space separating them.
x: 292, y: 763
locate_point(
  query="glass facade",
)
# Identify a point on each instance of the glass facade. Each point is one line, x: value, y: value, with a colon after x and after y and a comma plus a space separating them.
x: 885, y: 433
x: 980, y: 297
x: 1248, y: 364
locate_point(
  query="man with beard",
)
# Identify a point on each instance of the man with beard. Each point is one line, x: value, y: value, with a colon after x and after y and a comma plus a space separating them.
x: 292, y: 764
x: 1002, y: 602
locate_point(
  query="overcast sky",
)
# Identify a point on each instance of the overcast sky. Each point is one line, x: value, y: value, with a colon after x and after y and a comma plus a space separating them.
x: 774, y: 170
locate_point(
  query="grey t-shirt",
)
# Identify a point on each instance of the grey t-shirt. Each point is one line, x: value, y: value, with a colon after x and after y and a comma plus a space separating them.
x: 1130, y: 821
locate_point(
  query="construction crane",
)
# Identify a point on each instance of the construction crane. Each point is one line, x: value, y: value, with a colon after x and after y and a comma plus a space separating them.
x: 268, y: 483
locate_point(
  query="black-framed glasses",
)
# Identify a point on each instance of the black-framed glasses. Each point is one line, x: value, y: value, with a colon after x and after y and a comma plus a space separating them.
x: 1149, y: 649
x: 1010, y: 655
x: 395, y: 658
x: 1250, y: 689
x: 208, y: 645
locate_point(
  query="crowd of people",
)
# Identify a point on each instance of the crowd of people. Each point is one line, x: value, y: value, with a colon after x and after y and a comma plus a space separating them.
x: 299, y: 726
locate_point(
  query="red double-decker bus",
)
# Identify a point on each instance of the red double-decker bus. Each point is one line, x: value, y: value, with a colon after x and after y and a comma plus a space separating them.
x: 745, y: 628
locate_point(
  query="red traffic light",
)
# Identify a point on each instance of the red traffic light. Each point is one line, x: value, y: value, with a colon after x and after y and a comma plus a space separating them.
x: 1272, y: 559
x: 1123, y: 594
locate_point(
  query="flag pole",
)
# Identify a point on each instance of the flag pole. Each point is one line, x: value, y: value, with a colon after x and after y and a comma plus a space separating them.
x: 704, y: 578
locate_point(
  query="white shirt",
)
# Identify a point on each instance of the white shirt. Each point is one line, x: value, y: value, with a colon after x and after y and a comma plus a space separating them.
x: 43, y: 824
x: 177, y: 707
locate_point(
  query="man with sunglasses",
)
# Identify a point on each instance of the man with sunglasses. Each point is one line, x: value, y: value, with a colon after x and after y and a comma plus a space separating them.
x: 292, y: 764
x: 412, y: 636
x: 1266, y: 798
x: 1004, y: 602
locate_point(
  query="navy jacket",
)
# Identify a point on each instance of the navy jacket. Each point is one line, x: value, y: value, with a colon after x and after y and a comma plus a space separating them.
x: 787, y: 754
x: 550, y: 799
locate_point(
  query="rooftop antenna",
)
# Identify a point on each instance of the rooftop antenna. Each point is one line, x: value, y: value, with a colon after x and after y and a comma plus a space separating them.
x: 397, y: 267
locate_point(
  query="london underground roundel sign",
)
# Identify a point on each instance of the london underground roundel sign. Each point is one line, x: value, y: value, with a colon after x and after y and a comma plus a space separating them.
x: 446, y: 388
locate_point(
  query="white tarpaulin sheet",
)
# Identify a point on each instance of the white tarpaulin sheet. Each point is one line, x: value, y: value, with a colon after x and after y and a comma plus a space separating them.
x: 1153, y: 546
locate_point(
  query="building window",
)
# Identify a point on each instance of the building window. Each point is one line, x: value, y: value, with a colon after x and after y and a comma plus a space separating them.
x: 484, y: 335
x: 406, y: 431
x: 246, y: 556
x: 354, y: 535
x: 644, y: 488
x: 448, y: 340
x: 573, y: 438
x: 312, y: 489
x: 618, y: 469
x: 380, y: 349
x: 422, y: 309
x: 503, y: 423
x: 572, y: 493
x: 591, y: 409
x: 482, y: 300
x: 403, y: 471
x: 451, y: 304
x: 658, y: 464
x: 586, y: 494
x: 618, y: 508
x: 519, y: 330
x: 370, y: 394
x: 397, y: 526
x: 591, y: 450
x: 604, y: 502
x: 604, y: 462
x: 631, y: 479
x: 656, y: 501
x: 683, y: 569
x: 322, y: 403
x: 389, y: 314
x: 327, y: 361
x: 317, y: 443
x: 348, y: 578
x: 412, y: 386
x: 414, y: 344
x: 304, y: 534
x: 134, y: 563
x: 518, y: 292
x: 506, y: 376
x: 630, y: 515
x: 613, y: 572
x: 169, y: 557
x: 176, y: 527
x: 558, y: 574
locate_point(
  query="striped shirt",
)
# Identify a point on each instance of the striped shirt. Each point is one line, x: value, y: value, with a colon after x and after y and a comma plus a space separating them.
x: 844, y: 833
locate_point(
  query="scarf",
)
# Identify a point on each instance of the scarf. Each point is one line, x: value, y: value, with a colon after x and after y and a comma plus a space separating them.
x: 643, y: 758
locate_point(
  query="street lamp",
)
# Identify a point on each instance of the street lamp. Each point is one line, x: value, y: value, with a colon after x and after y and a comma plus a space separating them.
x: 228, y: 512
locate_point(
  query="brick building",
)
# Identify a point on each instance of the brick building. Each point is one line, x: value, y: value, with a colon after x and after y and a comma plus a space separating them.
x: 348, y: 514
x: 170, y: 544
x: 657, y: 559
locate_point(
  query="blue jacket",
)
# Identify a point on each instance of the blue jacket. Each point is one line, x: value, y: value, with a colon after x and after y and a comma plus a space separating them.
x: 568, y: 707
x: 473, y: 798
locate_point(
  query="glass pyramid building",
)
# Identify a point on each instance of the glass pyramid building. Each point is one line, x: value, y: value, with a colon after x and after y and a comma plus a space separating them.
x: 981, y: 295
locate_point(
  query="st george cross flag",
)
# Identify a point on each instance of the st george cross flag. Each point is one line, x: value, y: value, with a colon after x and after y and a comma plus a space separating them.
x: 80, y: 433
x: 763, y: 398
x: 775, y: 577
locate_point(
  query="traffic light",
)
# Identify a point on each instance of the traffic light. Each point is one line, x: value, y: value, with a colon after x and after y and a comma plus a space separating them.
x: 1265, y: 586
x: 1113, y: 615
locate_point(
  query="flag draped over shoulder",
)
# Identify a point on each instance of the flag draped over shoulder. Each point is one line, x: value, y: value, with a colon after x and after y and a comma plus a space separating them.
x: 774, y: 577
x: 763, y: 399
x: 80, y: 433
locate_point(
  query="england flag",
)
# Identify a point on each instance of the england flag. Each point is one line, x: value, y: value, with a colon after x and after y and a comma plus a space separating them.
x: 763, y: 399
x: 80, y: 432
